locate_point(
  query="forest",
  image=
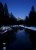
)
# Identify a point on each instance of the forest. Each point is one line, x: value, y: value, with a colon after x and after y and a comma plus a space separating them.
x: 7, y: 18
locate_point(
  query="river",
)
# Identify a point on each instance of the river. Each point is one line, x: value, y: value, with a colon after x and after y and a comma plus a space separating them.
x: 22, y: 42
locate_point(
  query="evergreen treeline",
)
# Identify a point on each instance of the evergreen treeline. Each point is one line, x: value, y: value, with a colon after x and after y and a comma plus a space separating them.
x: 10, y: 19
x: 31, y: 19
x: 5, y: 17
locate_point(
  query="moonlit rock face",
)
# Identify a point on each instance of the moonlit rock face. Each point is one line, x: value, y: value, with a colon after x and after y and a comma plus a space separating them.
x: 21, y: 25
x: 5, y: 28
x: 31, y: 28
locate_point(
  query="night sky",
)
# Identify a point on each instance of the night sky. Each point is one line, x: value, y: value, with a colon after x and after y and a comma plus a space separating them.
x: 19, y: 8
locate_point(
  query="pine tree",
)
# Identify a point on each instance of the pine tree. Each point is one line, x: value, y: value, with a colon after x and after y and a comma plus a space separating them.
x: 32, y: 16
x: 1, y: 10
x: 1, y: 13
x: 6, y: 14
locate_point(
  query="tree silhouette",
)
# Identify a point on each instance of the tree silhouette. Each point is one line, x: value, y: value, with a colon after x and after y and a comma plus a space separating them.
x: 1, y: 10
x: 6, y: 14
x: 31, y: 21
x: 13, y: 19
x: 26, y: 20
x: 32, y: 16
x: 1, y: 13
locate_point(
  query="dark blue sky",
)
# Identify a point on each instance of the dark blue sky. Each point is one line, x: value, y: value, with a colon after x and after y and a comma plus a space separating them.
x: 19, y: 8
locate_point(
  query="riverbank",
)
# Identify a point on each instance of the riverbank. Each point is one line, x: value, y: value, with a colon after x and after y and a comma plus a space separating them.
x: 32, y: 36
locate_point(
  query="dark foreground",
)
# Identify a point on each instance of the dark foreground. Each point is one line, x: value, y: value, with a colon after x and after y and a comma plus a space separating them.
x: 32, y: 36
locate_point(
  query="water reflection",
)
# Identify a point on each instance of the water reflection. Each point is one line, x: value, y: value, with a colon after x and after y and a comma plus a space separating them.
x: 22, y: 41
